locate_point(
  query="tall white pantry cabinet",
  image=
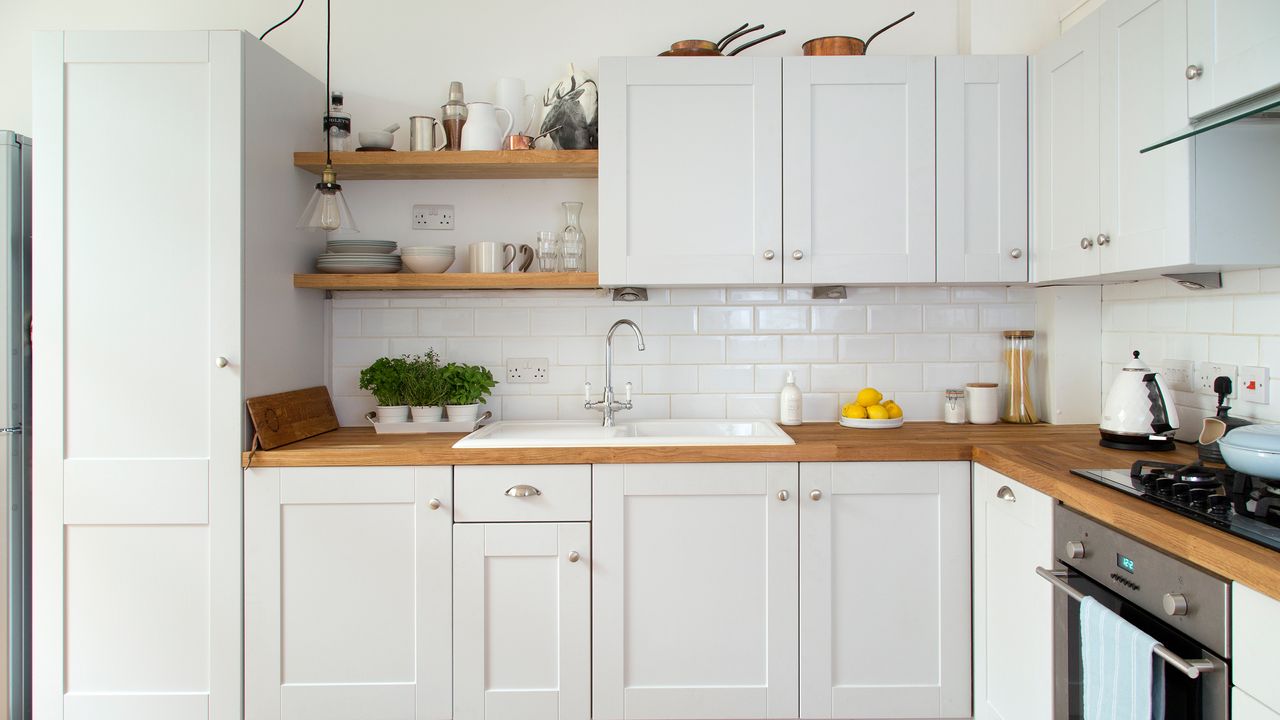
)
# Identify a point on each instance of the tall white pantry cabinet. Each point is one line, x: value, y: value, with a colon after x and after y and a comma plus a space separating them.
x: 165, y: 200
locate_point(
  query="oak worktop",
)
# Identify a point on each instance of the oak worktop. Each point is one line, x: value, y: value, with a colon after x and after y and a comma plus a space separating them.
x: 1040, y: 456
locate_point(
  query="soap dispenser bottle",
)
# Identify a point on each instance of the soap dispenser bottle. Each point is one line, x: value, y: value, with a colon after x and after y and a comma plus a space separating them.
x: 791, y: 409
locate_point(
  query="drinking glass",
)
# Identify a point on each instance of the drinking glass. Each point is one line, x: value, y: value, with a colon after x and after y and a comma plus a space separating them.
x: 571, y: 250
x: 548, y: 249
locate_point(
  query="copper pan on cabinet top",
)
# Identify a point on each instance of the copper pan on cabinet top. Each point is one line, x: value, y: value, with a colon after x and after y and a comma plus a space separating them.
x: 845, y: 44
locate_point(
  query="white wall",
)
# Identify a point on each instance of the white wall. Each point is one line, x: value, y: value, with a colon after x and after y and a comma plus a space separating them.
x: 1237, y: 325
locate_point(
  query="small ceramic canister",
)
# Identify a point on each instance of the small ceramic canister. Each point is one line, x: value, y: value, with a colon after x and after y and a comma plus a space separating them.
x: 982, y: 400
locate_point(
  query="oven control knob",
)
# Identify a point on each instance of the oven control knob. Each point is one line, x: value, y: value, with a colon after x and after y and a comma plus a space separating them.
x: 1175, y: 604
x: 1075, y: 549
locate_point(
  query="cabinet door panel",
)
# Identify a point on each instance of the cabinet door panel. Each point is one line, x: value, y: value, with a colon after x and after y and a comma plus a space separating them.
x: 690, y: 170
x: 884, y: 616
x: 695, y: 587
x: 982, y: 169
x: 1145, y: 201
x: 1237, y: 45
x: 1066, y: 187
x: 1013, y: 607
x: 1246, y: 707
x: 859, y: 169
x: 522, y: 621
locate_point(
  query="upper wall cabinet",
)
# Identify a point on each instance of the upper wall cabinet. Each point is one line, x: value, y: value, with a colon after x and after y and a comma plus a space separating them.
x: 690, y: 171
x: 1104, y: 90
x: 1233, y: 51
x: 695, y: 171
x: 982, y: 168
x: 858, y: 169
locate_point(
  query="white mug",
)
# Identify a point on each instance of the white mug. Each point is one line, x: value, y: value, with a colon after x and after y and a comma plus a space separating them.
x: 982, y: 400
x: 509, y: 93
x: 490, y: 257
x: 482, y: 131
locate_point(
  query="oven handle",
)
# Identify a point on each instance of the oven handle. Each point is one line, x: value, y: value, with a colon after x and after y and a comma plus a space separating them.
x: 1190, y: 668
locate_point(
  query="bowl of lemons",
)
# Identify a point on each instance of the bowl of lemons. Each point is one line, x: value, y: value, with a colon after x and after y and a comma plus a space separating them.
x: 870, y: 411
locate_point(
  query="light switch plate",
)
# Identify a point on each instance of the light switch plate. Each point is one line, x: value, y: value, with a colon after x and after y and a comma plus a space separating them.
x: 432, y: 217
x: 1255, y: 385
x: 527, y: 371
x: 1178, y: 374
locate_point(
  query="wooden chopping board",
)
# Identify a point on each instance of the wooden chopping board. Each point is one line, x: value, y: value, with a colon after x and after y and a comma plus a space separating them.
x: 287, y: 417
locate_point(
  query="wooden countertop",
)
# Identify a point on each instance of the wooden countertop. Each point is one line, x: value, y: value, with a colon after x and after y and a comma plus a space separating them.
x: 1039, y: 456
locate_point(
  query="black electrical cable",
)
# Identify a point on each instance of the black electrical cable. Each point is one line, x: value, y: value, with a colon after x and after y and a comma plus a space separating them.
x: 273, y: 27
x: 328, y: 20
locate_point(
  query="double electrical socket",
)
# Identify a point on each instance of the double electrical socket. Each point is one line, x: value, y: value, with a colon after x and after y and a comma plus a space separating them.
x: 432, y: 217
x: 1250, y: 384
x: 527, y: 370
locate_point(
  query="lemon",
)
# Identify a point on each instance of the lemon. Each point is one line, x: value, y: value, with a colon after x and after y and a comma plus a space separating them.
x: 877, y: 412
x: 854, y: 410
x: 894, y: 410
x: 868, y: 397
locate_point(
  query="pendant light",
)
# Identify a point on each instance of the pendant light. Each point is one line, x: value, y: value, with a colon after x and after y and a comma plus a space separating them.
x: 328, y: 210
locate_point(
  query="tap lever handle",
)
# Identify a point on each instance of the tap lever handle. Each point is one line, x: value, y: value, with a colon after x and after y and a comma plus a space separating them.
x: 586, y: 392
x: 628, y: 393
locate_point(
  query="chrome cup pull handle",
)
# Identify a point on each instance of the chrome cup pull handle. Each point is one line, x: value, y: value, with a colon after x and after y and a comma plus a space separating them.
x: 1005, y: 493
x: 521, y: 491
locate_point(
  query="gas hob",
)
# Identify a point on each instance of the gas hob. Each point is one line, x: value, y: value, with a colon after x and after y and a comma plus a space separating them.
x: 1240, y: 504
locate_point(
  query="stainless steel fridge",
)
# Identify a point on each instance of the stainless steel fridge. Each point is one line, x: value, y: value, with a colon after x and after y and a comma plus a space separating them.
x: 15, y: 404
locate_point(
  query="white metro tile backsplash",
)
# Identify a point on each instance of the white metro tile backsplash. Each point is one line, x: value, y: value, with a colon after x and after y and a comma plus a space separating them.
x: 710, y: 352
x: 1238, y: 324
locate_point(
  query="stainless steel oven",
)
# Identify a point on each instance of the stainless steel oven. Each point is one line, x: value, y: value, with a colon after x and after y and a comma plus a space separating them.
x: 1184, y: 608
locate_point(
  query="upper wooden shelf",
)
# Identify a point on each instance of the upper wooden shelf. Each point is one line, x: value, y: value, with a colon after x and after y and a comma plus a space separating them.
x: 445, y: 165
x: 450, y: 281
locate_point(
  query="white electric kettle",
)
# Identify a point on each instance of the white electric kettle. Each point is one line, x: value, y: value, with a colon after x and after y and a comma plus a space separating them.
x: 1139, y: 413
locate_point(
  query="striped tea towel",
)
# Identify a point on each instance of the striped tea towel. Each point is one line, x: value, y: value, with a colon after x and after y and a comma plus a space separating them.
x: 1123, y: 678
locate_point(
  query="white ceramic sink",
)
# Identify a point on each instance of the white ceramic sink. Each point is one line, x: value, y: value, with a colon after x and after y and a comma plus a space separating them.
x: 642, y: 432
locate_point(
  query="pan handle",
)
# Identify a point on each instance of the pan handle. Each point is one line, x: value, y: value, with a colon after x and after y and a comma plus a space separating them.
x: 725, y: 40
x: 757, y: 41
x: 886, y: 27
x: 739, y: 33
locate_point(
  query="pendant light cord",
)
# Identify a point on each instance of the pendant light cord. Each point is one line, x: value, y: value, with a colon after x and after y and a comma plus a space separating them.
x: 328, y: 134
x: 264, y: 35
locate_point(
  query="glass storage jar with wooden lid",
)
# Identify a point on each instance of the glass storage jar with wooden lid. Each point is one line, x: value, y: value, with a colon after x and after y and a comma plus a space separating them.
x: 1019, y: 406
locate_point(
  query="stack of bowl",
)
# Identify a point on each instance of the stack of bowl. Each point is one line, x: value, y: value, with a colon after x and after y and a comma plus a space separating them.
x: 359, y: 256
x: 428, y: 259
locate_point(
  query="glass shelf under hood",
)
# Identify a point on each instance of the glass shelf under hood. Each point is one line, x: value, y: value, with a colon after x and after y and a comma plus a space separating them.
x: 1262, y: 108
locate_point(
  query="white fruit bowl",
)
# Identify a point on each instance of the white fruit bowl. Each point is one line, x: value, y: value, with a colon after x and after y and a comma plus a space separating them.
x: 427, y: 263
x: 871, y: 424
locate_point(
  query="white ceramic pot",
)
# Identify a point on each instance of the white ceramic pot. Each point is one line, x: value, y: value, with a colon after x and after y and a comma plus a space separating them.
x: 393, y: 413
x: 983, y: 403
x: 426, y: 413
x: 482, y: 131
x: 463, y: 412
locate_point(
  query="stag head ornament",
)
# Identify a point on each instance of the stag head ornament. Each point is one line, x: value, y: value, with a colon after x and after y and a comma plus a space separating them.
x: 571, y: 106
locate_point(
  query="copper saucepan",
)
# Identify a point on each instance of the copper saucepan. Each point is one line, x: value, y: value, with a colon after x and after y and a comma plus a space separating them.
x: 844, y: 44
x: 706, y: 48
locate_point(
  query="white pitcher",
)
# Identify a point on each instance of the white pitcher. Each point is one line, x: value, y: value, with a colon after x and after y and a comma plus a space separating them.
x: 482, y: 131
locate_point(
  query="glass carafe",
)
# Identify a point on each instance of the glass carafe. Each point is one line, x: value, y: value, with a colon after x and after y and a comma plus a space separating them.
x: 573, y: 237
x: 1018, y: 406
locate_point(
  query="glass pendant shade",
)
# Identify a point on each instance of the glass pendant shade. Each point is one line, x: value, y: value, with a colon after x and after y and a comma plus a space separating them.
x: 328, y: 210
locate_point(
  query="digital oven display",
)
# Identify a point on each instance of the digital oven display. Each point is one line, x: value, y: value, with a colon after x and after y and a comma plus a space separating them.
x: 1124, y: 563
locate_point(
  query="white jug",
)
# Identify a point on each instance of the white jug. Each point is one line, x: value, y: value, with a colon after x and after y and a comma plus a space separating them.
x: 509, y: 93
x: 482, y: 131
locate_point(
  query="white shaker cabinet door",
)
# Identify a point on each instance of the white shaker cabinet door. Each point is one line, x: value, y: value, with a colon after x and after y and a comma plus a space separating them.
x: 1012, y: 606
x: 884, y: 590
x: 348, y: 593
x: 522, y: 621
x: 1066, y: 155
x: 1246, y: 707
x: 694, y: 591
x: 1145, y: 197
x: 858, y: 169
x: 1235, y: 47
x: 690, y: 171
x: 982, y: 168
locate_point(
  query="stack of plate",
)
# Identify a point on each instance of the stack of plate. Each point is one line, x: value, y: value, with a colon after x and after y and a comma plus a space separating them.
x: 427, y: 259
x: 357, y: 263
x: 360, y: 245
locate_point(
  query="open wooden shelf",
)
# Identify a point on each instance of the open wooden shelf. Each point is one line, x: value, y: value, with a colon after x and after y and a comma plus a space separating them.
x: 444, y: 165
x: 450, y: 281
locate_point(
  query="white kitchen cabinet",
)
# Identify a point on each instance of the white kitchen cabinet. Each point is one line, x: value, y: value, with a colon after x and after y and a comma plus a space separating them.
x: 348, y: 593
x: 1255, y: 637
x: 164, y: 207
x: 858, y: 170
x: 1066, y: 159
x: 1012, y: 606
x: 690, y: 171
x: 695, y: 591
x: 982, y: 168
x: 1235, y: 46
x: 1246, y: 707
x: 884, y: 590
x: 522, y: 621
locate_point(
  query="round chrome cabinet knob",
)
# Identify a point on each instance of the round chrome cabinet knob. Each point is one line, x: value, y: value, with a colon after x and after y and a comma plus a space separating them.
x: 434, y: 503
x: 1075, y: 549
x: 221, y: 361
x: 816, y: 495
x: 1103, y: 239
x: 1016, y: 253
x: 1086, y: 243
x: 768, y: 255
x: 1175, y: 604
x: 783, y: 495
x: 797, y: 255
x: 574, y: 556
x: 1194, y: 72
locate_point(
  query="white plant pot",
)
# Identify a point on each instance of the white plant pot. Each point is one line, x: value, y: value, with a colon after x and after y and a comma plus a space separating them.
x: 393, y: 413
x: 463, y: 412
x: 426, y: 413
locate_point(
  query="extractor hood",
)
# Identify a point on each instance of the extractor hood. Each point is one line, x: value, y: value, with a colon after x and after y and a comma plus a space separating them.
x: 1264, y: 107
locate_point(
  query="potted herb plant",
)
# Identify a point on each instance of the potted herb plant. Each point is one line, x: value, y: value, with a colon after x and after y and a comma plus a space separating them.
x: 385, y: 379
x: 425, y: 388
x: 468, y: 386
